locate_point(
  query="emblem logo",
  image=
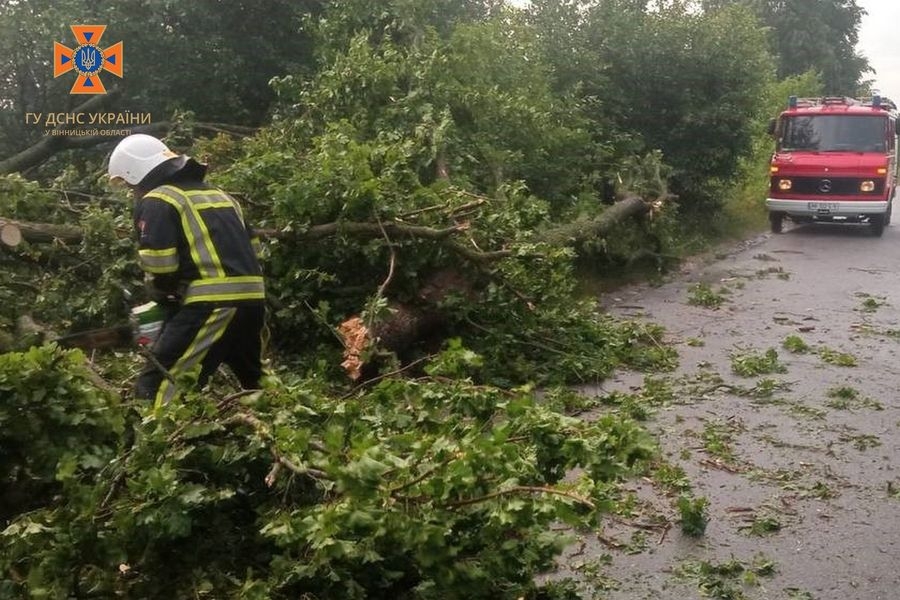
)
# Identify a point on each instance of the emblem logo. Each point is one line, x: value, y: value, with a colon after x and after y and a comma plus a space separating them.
x: 825, y: 186
x: 88, y: 59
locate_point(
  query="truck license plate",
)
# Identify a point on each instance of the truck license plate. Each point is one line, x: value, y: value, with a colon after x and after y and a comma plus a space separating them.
x: 822, y: 207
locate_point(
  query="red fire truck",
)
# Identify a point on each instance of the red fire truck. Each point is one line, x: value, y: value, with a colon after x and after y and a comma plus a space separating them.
x: 835, y: 161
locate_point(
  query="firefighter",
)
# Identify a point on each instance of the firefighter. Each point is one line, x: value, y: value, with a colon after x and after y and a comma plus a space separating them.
x: 202, y: 266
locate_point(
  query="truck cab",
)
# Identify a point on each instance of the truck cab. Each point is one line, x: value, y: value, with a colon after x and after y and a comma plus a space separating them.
x: 835, y: 160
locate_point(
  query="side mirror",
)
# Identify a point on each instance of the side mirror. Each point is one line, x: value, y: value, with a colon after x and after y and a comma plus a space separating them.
x: 772, y: 124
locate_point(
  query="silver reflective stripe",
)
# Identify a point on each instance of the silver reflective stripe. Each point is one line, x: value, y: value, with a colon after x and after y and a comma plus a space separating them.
x: 249, y: 287
x: 208, y: 335
x: 205, y: 200
x: 159, y: 261
x: 202, y: 251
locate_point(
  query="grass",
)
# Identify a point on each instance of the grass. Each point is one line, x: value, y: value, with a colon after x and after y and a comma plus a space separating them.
x: 819, y: 490
x: 752, y: 363
x: 766, y: 388
x: 798, y: 594
x: 670, y: 478
x: 863, y: 442
x: 727, y: 580
x: 717, y: 438
x: 702, y: 294
x: 847, y: 398
x: 593, y: 574
x: 795, y: 345
x: 871, y: 303
x: 892, y: 490
x: 869, y: 329
x: 694, y: 515
x: 762, y: 526
x: 627, y: 404
x: 834, y: 357
x: 637, y: 544
x: 800, y: 410
x: 777, y: 271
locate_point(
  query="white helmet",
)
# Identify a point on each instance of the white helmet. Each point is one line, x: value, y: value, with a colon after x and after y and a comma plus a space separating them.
x: 135, y: 156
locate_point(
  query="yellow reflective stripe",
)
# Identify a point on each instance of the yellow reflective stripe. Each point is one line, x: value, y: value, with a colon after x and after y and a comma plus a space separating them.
x: 158, y: 264
x: 159, y: 261
x: 199, y: 241
x: 204, y: 199
x: 223, y: 204
x: 239, y: 210
x: 235, y: 279
x: 168, y: 200
x: 229, y: 297
x: 173, y: 196
x: 215, y: 261
x: 245, y: 287
x: 199, y: 200
x: 211, y: 331
x: 158, y: 251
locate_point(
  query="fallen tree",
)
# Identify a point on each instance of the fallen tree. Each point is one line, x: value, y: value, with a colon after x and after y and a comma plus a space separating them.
x: 592, y: 228
x: 401, y: 323
x: 13, y: 232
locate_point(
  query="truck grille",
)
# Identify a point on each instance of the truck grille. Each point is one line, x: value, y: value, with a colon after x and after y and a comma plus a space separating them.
x: 826, y: 186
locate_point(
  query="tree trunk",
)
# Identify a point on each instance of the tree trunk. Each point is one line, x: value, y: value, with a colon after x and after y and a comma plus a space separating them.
x: 407, y: 323
x: 569, y: 234
x: 51, y: 144
x: 585, y: 230
x: 13, y: 232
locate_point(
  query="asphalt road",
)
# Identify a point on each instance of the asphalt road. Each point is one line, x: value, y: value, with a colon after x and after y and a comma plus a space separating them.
x: 800, y: 467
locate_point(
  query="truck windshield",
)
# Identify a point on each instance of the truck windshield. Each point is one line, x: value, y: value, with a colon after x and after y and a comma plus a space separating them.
x: 830, y: 133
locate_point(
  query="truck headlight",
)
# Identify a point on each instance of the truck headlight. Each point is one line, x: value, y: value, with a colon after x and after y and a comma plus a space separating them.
x: 867, y: 186
x: 785, y: 184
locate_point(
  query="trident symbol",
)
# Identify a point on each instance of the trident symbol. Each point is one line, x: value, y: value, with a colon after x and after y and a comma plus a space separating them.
x: 89, y: 58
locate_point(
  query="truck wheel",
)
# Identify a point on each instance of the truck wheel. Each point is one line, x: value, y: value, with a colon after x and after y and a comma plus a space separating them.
x: 776, y: 220
x: 887, y: 215
x: 877, y: 223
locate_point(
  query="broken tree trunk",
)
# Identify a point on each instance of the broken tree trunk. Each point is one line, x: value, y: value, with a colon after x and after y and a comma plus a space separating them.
x: 563, y: 235
x: 406, y: 324
x: 585, y: 230
x: 12, y: 233
x: 409, y: 323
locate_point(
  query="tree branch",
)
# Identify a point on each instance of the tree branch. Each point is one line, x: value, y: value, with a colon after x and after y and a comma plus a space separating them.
x: 521, y: 489
x: 262, y: 430
x: 51, y: 144
x: 583, y: 230
x: 364, y: 230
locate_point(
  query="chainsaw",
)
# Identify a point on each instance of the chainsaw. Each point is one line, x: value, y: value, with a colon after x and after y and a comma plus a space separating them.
x: 143, y: 327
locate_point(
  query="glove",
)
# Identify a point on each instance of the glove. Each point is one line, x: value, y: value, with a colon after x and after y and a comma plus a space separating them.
x: 162, y: 290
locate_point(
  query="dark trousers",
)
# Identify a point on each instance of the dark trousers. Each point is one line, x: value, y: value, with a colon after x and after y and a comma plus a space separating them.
x: 205, y: 335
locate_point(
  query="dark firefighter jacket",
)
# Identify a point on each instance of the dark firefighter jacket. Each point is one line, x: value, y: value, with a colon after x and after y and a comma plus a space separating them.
x: 193, y: 239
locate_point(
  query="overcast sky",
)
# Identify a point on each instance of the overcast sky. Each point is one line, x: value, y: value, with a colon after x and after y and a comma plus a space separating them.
x: 879, y: 41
